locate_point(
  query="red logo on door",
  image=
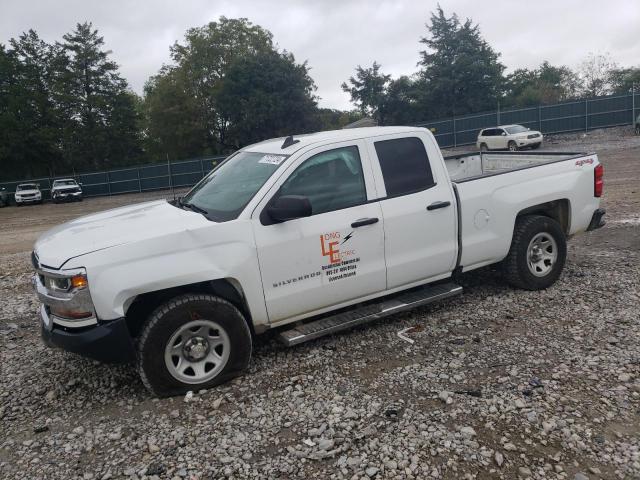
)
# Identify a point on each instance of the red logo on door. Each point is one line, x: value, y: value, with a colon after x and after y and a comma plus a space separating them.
x: 331, y: 240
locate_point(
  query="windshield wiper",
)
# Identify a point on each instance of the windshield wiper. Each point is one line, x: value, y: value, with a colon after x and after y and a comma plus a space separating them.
x: 194, y: 208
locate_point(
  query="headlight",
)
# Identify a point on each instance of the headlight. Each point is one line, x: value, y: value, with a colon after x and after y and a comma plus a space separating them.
x: 65, y: 284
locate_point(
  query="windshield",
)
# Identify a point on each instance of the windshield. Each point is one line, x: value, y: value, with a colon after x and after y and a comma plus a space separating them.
x: 516, y: 129
x: 26, y: 186
x: 61, y: 183
x: 225, y: 192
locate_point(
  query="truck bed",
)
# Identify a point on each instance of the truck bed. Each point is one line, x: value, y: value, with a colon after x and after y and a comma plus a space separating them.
x: 471, y: 166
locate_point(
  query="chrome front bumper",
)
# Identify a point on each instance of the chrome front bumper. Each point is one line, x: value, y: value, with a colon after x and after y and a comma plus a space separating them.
x: 79, y: 299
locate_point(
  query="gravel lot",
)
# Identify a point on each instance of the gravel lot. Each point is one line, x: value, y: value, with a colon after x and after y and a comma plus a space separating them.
x: 498, y: 384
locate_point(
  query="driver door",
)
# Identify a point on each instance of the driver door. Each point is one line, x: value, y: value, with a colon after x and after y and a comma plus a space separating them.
x: 334, y: 256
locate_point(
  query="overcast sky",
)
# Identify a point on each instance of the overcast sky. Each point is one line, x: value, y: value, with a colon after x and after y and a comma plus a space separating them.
x: 336, y: 35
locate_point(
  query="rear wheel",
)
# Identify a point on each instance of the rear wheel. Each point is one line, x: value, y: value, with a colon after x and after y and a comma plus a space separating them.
x: 638, y: 129
x: 483, y: 147
x: 538, y: 253
x: 512, y: 146
x: 192, y: 342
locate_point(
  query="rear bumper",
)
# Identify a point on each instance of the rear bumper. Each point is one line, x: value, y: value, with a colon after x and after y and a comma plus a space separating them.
x: 597, y: 220
x: 107, y: 342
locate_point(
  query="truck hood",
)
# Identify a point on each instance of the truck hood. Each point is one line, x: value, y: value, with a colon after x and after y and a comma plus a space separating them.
x: 113, y: 227
x: 27, y: 192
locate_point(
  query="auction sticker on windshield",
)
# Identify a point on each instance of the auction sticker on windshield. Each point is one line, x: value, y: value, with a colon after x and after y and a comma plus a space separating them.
x: 273, y: 159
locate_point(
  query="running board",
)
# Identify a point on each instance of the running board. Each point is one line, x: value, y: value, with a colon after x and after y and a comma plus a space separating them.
x: 367, y: 313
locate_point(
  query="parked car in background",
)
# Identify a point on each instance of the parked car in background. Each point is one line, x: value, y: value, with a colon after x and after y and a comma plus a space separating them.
x: 637, y: 125
x: 27, y: 193
x: 5, y: 199
x: 66, y: 189
x: 508, y: 137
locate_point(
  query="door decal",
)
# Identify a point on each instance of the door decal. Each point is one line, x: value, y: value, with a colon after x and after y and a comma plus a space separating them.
x: 343, y: 262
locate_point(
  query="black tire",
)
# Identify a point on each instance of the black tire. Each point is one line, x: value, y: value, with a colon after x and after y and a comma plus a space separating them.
x: 535, y: 146
x: 516, y: 265
x: 483, y: 147
x: 167, y: 319
x: 512, y: 146
x: 638, y: 129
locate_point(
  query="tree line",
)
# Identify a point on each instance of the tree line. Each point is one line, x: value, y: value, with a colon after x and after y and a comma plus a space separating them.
x: 460, y: 73
x: 65, y: 108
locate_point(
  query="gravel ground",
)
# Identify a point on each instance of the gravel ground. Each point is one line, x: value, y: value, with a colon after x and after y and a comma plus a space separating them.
x: 498, y: 384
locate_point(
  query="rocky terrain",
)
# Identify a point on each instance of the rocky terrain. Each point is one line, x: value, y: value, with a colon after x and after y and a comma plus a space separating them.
x: 499, y: 383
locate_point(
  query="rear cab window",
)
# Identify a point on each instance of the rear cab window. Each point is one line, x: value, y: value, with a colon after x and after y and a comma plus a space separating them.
x: 405, y: 165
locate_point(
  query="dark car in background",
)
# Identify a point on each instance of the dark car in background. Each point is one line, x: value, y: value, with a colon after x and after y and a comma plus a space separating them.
x: 5, y: 197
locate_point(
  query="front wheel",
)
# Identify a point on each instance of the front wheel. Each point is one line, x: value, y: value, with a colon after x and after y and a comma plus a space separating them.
x: 513, y: 146
x: 638, y: 129
x: 193, y: 341
x: 483, y: 147
x: 538, y: 253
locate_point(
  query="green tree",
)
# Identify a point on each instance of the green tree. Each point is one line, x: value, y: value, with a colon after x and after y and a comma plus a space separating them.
x: 200, y: 62
x: 334, y: 119
x: 595, y: 74
x: 460, y: 71
x: 173, y: 125
x: 228, y: 84
x: 261, y: 96
x: 624, y: 80
x: 368, y: 90
x: 546, y: 84
x: 10, y: 93
x: 29, y: 143
x: 100, y: 118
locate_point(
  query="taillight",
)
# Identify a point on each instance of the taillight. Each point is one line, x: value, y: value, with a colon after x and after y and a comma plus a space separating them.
x: 598, y: 180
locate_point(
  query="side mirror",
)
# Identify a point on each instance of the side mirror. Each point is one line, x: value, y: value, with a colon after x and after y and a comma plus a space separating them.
x: 504, y: 134
x: 289, y: 207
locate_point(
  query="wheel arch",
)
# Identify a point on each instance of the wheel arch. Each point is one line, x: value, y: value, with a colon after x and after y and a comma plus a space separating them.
x: 140, y: 307
x: 559, y: 210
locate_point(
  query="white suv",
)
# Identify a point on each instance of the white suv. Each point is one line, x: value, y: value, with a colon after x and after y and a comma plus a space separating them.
x: 27, y: 193
x: 508, y: 137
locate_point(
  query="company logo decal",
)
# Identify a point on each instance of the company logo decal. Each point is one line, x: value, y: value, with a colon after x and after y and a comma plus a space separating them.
x: 343, y: 262
x: 339, y: 261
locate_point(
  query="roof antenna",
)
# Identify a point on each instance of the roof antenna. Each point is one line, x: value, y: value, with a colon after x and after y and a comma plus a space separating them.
x: 288, y: 142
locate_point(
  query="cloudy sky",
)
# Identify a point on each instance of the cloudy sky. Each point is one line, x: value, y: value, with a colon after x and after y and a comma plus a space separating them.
x: 336, y: 35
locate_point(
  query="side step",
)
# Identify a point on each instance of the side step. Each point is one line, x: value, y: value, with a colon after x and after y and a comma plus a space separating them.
x: 367, y: 313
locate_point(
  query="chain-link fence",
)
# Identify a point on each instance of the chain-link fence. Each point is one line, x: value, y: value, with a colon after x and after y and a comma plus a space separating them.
x: 143, y: 178
x: 571, y: 116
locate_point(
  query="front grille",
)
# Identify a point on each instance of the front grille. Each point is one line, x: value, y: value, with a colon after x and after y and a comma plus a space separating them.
x: 534, y: 135
x: 69, y: 190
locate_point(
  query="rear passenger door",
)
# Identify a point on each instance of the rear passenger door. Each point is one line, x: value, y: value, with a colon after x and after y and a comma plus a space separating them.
x: 499, y: 139
x: 418, y: 208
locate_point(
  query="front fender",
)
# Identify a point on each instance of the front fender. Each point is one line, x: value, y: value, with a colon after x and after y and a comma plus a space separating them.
x: 119, y: 274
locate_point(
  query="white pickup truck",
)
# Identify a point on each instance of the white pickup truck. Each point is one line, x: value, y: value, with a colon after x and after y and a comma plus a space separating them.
x: 319, y: 233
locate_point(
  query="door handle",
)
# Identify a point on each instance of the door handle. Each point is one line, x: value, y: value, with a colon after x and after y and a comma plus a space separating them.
x: 364, y: 221
x: 436, y: 205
